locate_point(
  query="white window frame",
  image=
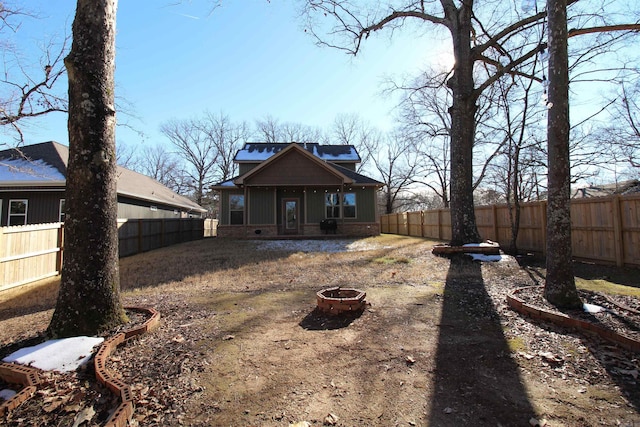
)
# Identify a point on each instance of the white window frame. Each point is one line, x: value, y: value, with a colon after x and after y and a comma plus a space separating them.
x: 11, y: 215
x: 327, y: 198
x: 61, y: 211
x: 237, y: 210
x: 344, y: 205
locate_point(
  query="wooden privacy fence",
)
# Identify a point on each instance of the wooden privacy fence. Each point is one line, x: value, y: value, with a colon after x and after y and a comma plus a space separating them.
x: 33, y: 252
x: 210, y: 227
x: 603, y: 230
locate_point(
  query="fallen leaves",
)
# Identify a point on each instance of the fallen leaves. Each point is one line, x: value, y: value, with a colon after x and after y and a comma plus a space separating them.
x: 83, y: 416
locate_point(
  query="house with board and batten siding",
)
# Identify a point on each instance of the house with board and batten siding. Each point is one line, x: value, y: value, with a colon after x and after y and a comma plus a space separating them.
x: 33, y: 181
x: 296, y: 189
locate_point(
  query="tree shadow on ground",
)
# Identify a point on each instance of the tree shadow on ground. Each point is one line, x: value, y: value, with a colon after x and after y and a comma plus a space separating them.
x: 475, y: 381
x: 626, y: 276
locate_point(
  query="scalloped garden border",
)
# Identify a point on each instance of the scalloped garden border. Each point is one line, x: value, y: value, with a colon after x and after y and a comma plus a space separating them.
x: 569, y: 322
x: 29, y: 377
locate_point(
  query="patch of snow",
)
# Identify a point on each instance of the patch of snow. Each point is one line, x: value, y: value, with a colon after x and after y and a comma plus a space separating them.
x: 487, y: 244
x: 7, y: 394
x: 488, y: 258
x: 62, y: 355
x: 25, y: 170
x: 592, y: 308
x: 331, y: 246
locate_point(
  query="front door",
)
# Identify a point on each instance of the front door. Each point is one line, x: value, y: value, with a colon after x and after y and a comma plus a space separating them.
x: 291, y: 216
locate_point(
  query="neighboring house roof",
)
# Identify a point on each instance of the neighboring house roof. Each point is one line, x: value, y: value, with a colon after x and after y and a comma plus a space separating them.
x: 45, y: 164
x: 254, y: 152
x: 620, y: 188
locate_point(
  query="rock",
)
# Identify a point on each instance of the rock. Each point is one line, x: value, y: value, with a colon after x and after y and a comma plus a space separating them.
x: 331, y: 420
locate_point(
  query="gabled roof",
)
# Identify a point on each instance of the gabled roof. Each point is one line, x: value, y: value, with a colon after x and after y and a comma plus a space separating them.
x: 255, y: 152
x: 304, y: 152
x: 347, y: 175
x: 356, y: 177
x: 45, y: 164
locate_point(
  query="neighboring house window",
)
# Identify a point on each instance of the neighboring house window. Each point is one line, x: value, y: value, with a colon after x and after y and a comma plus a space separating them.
x: 236, y: 209
x: 349, y: 205
x: 332, y: 205
x: 17, y: 212
x: 61, y: 214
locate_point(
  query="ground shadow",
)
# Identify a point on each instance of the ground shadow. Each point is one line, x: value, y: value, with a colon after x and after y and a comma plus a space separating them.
x: 626, y: 276
x: 476, y: 381
x: 318, y: 320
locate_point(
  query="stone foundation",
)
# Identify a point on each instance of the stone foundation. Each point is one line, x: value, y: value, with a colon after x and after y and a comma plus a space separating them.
x: 356, y: 229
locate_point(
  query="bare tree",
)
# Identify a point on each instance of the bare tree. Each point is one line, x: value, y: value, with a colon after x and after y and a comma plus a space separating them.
x: 483, y: 36
x: 89, y: 297
x: 227, y: 138
x: 207, y: 146
x: 351, y: 129
x: 196, y: 149
x: 268, y: 130
x: 272, y: 130
x: 162, y: 165
x: 620, y: 135
x: 29, y: 91
x: 395, y: 164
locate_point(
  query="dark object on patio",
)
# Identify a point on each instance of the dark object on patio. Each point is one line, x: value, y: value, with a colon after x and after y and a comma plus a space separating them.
x: 327, y: 225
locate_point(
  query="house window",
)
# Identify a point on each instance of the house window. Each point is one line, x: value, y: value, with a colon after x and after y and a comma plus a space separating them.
x: 332, y: 205
x: 17, y: 212
x: 349, y: 205
x: 61, y: 213
x: 236, y: 209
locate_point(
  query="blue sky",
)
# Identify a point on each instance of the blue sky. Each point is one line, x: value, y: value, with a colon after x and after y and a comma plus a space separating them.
x: 247, y: 59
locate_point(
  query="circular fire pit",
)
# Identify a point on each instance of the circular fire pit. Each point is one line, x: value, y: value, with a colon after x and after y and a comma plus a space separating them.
x: 340, y: 300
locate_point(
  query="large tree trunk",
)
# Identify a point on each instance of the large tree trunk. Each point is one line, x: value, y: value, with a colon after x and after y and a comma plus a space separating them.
x: 560, y: 287
x: 89, y: 298
x: 462, y: 111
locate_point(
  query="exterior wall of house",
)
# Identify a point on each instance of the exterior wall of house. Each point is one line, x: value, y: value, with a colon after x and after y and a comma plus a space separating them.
x: 140, y: 209
x: 262, y: 224
x: 350, y: 166
x: 246, y: 167
x: 224, y: 206
x: 294, y: 169
x: 365, y: 204
x: 43, y: 206
x: 261, y: 205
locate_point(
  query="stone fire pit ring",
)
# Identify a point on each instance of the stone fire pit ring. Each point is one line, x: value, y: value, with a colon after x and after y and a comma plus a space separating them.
x: 339, y: 300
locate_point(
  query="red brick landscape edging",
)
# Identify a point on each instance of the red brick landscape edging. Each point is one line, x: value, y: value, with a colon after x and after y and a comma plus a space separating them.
x: 29, y: 377
x: 16, y: 374
x: 570, y: 322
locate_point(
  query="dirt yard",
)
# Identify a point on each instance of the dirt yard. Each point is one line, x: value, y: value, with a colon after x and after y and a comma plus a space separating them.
x: 241, y: 344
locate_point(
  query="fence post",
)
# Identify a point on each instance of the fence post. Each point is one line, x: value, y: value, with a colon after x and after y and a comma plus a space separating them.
x: 140, y: 237
x: 543, y: 232
x: 494, y: 218
x: 617, y: 231
x: 60, y: 247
